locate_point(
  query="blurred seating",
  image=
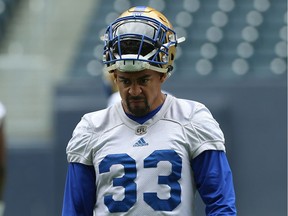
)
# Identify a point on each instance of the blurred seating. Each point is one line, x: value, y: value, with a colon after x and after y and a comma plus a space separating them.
x: 224, y: 39
x: 7, y: 8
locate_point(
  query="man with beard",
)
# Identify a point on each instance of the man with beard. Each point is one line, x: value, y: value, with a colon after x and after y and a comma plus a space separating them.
x: 148, y: 153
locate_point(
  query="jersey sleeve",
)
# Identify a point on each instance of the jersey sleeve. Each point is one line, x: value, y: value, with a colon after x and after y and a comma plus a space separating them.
x: 204, y: 132
x: 213, y: 178
x: 79, y: 147
x: 80, y: 190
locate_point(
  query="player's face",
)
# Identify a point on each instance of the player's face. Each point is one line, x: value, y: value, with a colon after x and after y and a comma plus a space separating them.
x: 140, y: 91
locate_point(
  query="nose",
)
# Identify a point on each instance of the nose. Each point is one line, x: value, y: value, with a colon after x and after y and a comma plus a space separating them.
x: 135, y: 90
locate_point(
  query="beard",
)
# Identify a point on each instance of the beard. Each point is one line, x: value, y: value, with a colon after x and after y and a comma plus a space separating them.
x: 138, y: 110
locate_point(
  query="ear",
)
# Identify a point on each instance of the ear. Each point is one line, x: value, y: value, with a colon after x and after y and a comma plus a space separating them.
x: 163, y: 77
x: 114, y: 76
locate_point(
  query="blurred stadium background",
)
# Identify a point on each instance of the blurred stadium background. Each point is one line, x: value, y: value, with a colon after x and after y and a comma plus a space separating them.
x: 234, y: 60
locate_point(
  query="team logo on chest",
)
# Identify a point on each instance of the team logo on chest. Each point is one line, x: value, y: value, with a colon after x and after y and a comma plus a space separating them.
x: 140, y: 130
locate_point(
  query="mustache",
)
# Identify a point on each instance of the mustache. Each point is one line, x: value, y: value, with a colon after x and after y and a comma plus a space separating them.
x: 135, y: 98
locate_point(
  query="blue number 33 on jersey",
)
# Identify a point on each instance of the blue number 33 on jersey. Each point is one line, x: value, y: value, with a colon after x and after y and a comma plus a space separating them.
x: 127, y: 181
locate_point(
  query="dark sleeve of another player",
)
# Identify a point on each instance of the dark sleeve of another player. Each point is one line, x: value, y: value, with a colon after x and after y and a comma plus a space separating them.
x: 214, y: 182
x: 80, y: 190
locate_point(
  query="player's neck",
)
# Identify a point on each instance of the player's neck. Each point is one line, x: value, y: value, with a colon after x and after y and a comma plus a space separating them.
x: 143, y: 119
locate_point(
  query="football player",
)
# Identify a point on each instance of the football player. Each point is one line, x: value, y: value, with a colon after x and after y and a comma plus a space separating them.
x: 148, y: 153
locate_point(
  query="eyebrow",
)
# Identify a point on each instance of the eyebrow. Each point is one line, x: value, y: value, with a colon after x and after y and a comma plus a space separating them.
x: 142, y: 77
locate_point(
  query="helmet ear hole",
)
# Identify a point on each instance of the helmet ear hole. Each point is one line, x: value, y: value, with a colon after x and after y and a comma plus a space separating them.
x: 172, y: 57
x: 170, y: 68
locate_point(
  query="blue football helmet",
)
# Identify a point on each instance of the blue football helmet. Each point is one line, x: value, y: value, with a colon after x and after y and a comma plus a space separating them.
x: 141, y: 38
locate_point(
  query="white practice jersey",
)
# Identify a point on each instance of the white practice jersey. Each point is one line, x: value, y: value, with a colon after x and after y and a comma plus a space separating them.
x: 145, y: 169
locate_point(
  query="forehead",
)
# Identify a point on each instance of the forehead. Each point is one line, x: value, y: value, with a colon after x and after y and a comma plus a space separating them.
x: 135, y: 75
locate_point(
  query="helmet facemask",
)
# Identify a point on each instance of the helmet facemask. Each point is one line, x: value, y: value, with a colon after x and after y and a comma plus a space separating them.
x: 134, y: 43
